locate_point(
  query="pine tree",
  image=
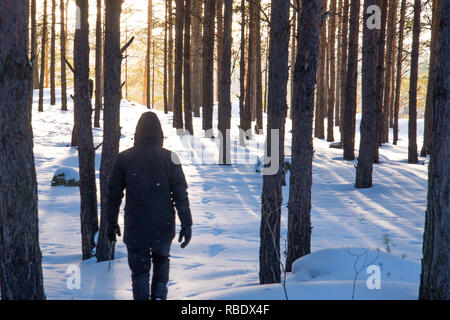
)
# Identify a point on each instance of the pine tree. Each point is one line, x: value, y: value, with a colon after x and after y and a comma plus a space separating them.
x: 399, y: 70
x: 98, y: 65
x: 187, y: 69
x: 368, y: 130
x: 111, y: 114
x: 43, y: 58
x: 207, y: 64
x: 63, y: 56
x: 269, y: 252
x: 52, y: 55
x: 20, y: 255
x: 434, y: 279
x: 86, y: 151
x: 178, y: 90
x: 412, y: 121
x: 351, y: 84
x: 224, y: 108
x: 305, y: 75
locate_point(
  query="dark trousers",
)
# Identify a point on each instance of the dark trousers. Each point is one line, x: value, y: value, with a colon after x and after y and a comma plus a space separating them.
x: 140, y: 261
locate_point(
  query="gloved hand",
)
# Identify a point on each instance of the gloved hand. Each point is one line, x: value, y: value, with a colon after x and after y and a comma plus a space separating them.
x: 186, y: 233
x: 113, y: 230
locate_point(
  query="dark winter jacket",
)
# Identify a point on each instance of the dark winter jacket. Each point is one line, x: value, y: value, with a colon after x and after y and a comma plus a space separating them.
x: 154, y: 184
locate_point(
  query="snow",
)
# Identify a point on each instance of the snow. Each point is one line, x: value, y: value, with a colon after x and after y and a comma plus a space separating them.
x: 221, y: 262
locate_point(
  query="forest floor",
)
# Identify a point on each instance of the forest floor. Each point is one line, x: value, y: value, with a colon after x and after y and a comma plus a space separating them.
x: 352, y: 229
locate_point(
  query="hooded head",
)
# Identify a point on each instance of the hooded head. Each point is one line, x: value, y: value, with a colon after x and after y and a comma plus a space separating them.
x: 148, y: 130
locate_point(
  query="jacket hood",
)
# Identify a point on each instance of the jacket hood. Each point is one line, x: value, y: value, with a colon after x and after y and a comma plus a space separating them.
x: 148, y: 130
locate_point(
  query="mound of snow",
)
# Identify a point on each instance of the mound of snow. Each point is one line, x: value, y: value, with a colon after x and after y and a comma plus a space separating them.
x: 336, y: 274
x: 66, y: 176
x: 345, y: 263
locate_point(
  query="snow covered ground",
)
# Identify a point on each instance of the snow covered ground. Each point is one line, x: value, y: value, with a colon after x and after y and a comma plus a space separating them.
x: 352, y: 228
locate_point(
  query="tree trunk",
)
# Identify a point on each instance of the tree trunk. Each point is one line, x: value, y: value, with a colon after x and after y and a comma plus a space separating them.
x: 98, y: 65
x: 379, y: 83
x: 225, y: 85
x: 165, y: 97
x: 242, y: 97
x: 178, y: 92
x: 20, y: 255
x: 434, y: 279
x: 391, y: 29
x: 187, y: 69
x: 412, y: 122
x: 111, y: 115
x: 208, y: 65
x: 147, y: 57
x: 437, y: 8
x: 196, y: 56
x: 249, y: 90
x: 52, y: 55
x: 299, y: 206
x: 258, y: 72
x: 42, y: 72
x: 34, y: 54
x: 332, y: 86
x: 269, y: 252
x: 399, y: 70
x: 351, y: 84
x: 219, y: 22
x: 319, y: 130
x: 337, y: 108
x: 293, y: 56
x: 86, y: 151
x: 63, y: 55
x: 344, y: 61
x: 170, y: 56
x: 368, y: 130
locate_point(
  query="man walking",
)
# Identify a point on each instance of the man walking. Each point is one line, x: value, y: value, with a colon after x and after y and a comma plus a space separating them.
x: 154, y: 182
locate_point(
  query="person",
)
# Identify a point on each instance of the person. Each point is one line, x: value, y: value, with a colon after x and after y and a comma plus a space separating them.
x: 154, y: 182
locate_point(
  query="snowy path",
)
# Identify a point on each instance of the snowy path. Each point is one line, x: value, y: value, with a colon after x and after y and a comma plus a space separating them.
x: 225, y: 202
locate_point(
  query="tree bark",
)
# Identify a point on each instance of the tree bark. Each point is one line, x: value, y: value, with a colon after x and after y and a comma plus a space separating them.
x: 52, y: 55
x: 344, y: 61
x: 224, y: 107
x: 147, y: 57
x: 435, y: 276
x: 242, y: 96
x: 299, y: 206
x: 208, y: 65
x: 399, y: 70
x: 187, y: 69
x: 258, y: 72
x: 391, y: 29
x: 351, y: 84
x: 166, y: 18
x: 337, y: 109
x: 98, y: 65
x: 319, y: 130
x: 20, y: 255
x: 196, y: 56
x: 34, y: 54
x: 178, y: 91
x: 437, y: 8
x: 170, y: 57
x: 269, y: 252
x: 332, y: 55
x: 42, y: 72
x: 63, y: 55
x: 219, y: 23
x: 412, y: 122
x: 369, y: 104
x: 111, y: 114
x: 86, y: 151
